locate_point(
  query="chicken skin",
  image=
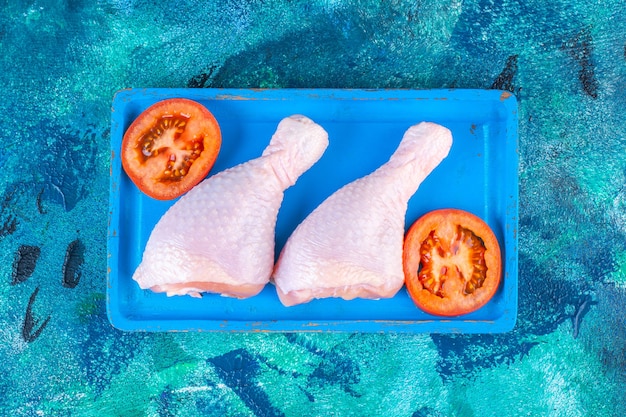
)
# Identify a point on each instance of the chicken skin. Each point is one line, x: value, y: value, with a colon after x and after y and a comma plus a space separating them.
x: 351, y: 245
x: 219, y: 237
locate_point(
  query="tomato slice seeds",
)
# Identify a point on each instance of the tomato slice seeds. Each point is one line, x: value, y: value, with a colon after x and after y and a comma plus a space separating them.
x: 449, y: 261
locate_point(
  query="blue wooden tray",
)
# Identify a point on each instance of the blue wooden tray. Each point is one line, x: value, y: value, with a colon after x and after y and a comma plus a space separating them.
x: 480, y: 175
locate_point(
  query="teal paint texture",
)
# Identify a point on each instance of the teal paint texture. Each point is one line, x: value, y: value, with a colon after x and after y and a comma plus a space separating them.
x: 61, y: 63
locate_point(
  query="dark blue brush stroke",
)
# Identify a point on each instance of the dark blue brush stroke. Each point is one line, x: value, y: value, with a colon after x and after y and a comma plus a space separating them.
x: 8, y: 220
x: 581, y: 49
x: 282, y: 372
x: 580, y: 313
x: 104, y: 351
x: 238, y: 369
x: 613, y: 352
x: 210, y: 406
x: 334, y: 368
x: 426, y: 412
x: 504, y: 81
x: 32, y: 326
x: 24, y: 263
x: 166, y: 403
x: 172, y: 402
x: 67, y: 166
x: 74, y: 258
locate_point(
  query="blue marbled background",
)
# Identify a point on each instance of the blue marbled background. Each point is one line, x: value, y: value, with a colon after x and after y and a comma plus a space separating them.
x: 60, y: 65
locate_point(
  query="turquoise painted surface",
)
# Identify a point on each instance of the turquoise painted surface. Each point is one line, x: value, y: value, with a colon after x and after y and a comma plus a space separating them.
x: 62, y: 61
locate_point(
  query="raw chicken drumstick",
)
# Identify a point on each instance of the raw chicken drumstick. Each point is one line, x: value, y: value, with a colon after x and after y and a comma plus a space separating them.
x: 351, y: 245
x: 219, y: 237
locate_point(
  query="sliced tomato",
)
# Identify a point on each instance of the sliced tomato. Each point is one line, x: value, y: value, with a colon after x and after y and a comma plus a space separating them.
x: 452, y: 262
x: 171, y: 147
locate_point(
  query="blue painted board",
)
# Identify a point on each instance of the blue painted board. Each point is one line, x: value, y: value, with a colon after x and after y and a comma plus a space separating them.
x: 479, y: 175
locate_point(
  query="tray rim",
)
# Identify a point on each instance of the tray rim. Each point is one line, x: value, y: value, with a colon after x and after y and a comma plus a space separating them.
x: 454, y: 325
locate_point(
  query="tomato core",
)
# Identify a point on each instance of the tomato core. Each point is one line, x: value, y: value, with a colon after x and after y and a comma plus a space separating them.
x: 162, y: 139
x: 448, y: 260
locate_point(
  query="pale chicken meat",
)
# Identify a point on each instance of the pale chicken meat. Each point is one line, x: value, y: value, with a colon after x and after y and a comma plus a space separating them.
x: 351, y: 245
x: 219, y: 237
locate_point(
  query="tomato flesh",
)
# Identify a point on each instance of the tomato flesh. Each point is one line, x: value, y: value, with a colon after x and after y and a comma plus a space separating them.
x: 452, y: 262
x: 162, y: 139
x: 171, y: 147
x: 441, y: 261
